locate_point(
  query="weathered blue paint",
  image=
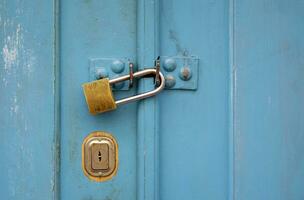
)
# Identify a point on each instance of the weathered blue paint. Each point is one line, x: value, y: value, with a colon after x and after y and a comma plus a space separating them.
x: 239, y: 135
x: 27, y: 87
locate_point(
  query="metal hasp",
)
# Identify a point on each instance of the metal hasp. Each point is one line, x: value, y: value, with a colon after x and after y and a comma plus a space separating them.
x: 99, y: 156
x: 180, y: 72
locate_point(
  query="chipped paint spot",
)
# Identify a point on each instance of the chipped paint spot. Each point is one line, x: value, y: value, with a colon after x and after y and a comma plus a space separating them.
x: 9, y: 55
x: 11, y: 48
x: 4, y: 81
x: 15, y: 106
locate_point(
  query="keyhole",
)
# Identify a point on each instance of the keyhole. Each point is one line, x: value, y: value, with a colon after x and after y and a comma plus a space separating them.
x: 99, y: 156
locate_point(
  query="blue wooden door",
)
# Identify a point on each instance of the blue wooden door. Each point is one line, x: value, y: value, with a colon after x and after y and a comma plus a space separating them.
x: 235, y: 131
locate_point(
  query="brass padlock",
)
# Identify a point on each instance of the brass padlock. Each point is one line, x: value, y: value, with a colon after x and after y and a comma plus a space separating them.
x: 99, y: 95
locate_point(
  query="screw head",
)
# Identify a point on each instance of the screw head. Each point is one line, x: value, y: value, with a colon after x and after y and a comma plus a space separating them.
x: 117, y: 66
x: 185, y: 73
x: 101, y: 72
x: 169, y: 65
x: 169, y: 81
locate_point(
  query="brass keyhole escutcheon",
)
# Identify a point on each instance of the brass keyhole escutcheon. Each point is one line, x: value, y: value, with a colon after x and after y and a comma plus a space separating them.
x: 99, y: 156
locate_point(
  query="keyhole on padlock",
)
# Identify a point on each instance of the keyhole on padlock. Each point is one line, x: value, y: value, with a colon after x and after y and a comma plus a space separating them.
x: 99, y: 156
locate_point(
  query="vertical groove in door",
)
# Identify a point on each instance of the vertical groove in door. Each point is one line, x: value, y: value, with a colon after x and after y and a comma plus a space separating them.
x: 57, y: 113
x: 147, y: 124
x: 231, y: 112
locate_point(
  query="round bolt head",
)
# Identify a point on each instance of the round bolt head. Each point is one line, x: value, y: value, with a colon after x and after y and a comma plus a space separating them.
x: 169, y: 81
x: 119, y: 85
x: 185, y: 73
x: 117, y: 66
x: 101, y: 72
x: 169, y: 65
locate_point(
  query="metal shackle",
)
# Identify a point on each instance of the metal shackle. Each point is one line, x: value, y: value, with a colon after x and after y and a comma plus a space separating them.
x: 139, y: 74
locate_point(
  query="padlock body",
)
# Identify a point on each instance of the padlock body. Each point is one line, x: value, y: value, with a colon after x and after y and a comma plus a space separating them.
x: 99, y: 96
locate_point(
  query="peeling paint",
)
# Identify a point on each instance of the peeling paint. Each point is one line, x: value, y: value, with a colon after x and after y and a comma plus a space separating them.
x: 26, y: 72
x: 16, y: 57
x: 17, y: 66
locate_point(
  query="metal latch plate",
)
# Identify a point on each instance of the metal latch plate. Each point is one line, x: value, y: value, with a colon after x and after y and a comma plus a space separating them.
x: 181, y: 72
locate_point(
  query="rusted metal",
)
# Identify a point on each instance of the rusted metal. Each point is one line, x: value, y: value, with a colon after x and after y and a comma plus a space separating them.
x: 131, y: 71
